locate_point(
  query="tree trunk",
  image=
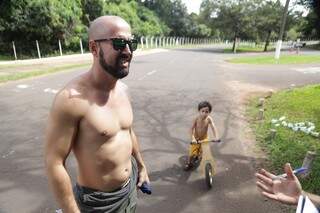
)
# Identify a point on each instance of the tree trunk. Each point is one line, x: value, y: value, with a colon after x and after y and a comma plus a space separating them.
x: 234, y: 47
x: 267, y: 41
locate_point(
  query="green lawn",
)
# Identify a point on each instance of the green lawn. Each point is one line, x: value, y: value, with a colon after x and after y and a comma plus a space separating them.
x: 284, y: 59
x: 28, y: 74
x: 244, y: 49
x: 298, y: 105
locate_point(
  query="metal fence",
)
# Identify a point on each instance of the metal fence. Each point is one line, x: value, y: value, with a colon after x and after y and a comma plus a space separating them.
x: 39, y: 49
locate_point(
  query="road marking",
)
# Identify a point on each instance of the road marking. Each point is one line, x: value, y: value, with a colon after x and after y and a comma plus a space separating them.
x: 153, y: 71
x: 8, y: 154
x: 22, y: 86
x: 308, y: 70
x: 149, y: 73
x: 49, y: 90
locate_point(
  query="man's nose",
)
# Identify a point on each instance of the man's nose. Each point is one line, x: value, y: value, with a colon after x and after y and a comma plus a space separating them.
x: 127, y: 49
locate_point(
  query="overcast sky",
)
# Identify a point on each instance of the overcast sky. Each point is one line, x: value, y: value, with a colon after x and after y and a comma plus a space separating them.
x: 194, y: 5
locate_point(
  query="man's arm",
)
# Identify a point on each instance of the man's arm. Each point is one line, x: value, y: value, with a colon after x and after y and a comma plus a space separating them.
x: 143, y: 174
x: 214, y: 129
x: 59, y: 135
x: 314, y: 198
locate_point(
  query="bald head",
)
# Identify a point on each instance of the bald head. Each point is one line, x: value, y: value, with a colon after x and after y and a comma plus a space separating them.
x: 106, y: 26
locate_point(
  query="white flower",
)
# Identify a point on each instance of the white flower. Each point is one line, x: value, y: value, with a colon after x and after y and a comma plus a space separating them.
x: 282, y: 118
x: 277, y: 125
x: 315, y: 134
x: 295, y: 128
x: 274, y: 121
x: 310, y: 124
x: 290, y: 125
x: 311, y: 128
x: 284, y: 123
x: 304, y: 129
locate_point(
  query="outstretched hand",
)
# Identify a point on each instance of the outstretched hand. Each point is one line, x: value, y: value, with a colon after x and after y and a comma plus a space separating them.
x: 286, y: 190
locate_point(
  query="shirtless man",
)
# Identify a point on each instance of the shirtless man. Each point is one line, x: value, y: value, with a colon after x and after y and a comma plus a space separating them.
x: 199, y: 129
x: 92, y: 116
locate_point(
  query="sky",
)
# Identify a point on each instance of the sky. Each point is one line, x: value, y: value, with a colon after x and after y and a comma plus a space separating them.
x: 194, y: 5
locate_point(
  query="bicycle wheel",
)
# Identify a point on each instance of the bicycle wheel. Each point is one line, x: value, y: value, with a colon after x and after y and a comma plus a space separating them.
x: 209, y: 174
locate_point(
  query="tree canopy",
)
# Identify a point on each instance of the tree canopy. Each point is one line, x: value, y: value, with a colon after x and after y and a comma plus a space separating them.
x: 68, y: 20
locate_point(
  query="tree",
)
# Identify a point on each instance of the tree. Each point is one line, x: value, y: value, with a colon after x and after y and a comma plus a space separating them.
x: 268, y: 17
x: 91, y: 9
x: 233, y: 18
x: 172, y: 13
x: 313, y: 18
x: 142, y: 20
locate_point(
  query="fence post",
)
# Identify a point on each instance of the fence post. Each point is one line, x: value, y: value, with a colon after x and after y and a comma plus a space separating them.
x: 151, y: 42
x: 60, y: 48
x: 38, y: 49
x: 81, y: 46
x: 147, y: 45
x: 141, y: 41
x: 14, y: 51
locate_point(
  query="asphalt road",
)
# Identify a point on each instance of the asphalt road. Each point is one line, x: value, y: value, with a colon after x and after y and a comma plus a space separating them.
x: 165, y: 89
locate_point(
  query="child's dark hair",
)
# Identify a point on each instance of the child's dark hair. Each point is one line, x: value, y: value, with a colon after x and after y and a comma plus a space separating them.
x: 203, y: 104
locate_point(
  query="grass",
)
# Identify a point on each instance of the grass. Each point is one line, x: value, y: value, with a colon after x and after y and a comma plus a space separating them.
x: 29, y: 74
x: 6, y: 58
x: 298, y: 105
x: 284, y: 59
x: 246, y: 48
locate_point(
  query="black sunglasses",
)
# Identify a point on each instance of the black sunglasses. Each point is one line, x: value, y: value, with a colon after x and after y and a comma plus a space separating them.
x: 120, y: 43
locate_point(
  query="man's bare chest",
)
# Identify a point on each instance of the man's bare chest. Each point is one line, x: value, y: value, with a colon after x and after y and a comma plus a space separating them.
x: 107, y: 120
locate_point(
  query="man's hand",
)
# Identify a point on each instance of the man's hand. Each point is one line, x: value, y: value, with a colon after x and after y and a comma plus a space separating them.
x: 286, y: 190
x: 143, y: 176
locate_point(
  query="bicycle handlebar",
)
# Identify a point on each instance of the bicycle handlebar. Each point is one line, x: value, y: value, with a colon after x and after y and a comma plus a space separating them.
x: 201, y: 141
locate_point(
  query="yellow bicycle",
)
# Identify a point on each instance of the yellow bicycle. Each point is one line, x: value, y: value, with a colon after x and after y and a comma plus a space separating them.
x: 202, y: 154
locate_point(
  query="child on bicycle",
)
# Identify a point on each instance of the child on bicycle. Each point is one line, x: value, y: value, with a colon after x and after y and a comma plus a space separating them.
x: 199, y: 130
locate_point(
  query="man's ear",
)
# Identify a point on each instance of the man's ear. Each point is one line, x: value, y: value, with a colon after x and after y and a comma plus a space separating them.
x: 93, y: 47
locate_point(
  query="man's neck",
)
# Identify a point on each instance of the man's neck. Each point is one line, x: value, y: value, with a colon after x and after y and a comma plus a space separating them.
x: 102, y: 80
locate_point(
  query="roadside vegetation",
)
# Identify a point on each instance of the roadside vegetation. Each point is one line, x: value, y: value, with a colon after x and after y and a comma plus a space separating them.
x: 11, y: 76
x: 284, y: 59
x: 247, y: 49
x: 288, y: 112
x: 66, y: 22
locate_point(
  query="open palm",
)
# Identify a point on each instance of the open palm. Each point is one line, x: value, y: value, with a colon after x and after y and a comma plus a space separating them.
x: 286, y: 190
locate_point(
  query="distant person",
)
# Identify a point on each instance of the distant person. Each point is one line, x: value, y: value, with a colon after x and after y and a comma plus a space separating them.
x: 92, y: 116
x: 285, y: 190
x: 199, y: 130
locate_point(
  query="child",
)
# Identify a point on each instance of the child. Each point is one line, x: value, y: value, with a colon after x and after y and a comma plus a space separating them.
x: 199, y: 129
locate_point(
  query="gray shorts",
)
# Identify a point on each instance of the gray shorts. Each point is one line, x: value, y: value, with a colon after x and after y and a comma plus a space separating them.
x: 123, y: 200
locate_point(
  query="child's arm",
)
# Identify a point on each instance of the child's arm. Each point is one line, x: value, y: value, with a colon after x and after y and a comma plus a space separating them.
x: 193, y: 127
x: 214, y: 129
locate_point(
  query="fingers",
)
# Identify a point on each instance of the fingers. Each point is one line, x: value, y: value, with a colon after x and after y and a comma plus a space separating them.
x: 264, y: 188
x: 262, y: 177
x: 141, y: 180
x: 268, y: 174
x: 269, y: 195
x: 289, y: 172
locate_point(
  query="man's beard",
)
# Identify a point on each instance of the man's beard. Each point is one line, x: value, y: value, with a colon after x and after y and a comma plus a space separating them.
x: 115, y: 71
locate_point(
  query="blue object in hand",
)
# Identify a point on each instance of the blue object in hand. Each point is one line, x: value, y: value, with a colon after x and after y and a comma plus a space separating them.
x: 146, y: 188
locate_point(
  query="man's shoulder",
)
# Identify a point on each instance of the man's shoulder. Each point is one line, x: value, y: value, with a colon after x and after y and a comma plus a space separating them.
x: 70, y: 99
